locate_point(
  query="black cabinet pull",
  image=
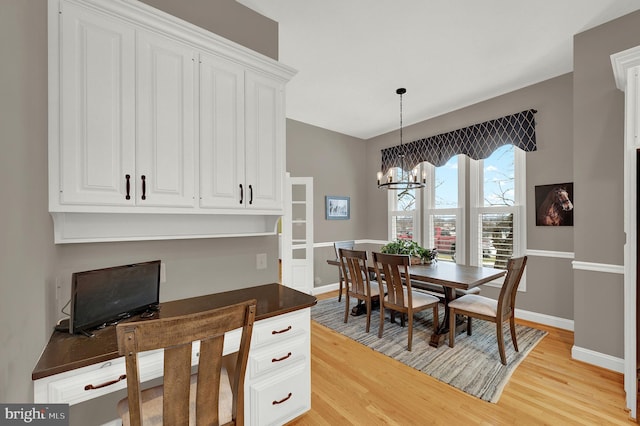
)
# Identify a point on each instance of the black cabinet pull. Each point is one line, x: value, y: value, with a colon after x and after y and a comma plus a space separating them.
x: 128, y: 178
x: 284, y: 330
x: 241, y: 194
x: 91, y: 387
x: 144, y: 187
x: 281, y: 359
x: 282, y: 400
x: 250, y: 194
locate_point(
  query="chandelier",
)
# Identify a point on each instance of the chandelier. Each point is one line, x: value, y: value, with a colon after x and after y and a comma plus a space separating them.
x: 404, y: 180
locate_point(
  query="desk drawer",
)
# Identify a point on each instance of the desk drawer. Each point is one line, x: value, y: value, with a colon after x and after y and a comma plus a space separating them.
x: 281, y: 398
x: 276, y: 329
x: 73, y: 389
x: 272, y: 358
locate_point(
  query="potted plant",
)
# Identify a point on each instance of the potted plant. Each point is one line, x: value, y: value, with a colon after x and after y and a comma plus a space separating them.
x: 418, y: 253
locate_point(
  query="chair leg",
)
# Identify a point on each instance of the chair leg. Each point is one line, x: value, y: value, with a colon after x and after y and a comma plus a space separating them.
x: 340, y: 290
x: 512, y: 326
x: 410, y: 325
x: 381, y: 328
x: 346, y: 307
x: 468, y: 326
x: 452, y: 327
x: 503, y: 356
x: 368, y: 304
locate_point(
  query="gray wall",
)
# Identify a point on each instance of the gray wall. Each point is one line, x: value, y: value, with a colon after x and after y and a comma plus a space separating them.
x: 30, y: 264
x: 598, y: 116
x: 337, y: 163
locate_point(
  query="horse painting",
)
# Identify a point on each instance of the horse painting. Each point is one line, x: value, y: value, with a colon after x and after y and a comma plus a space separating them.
x: 556, y: 209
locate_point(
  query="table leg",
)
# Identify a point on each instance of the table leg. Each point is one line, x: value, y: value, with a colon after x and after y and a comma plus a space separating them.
x: 440, y: 335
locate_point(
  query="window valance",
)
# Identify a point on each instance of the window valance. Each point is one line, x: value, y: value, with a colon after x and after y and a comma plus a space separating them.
x: 477, y: 142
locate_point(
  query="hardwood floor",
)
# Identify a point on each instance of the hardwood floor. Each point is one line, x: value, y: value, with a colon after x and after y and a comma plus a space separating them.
x: 352, y: 384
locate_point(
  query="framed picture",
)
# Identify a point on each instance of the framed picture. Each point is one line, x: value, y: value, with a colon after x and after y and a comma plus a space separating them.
x: 337, y: 208
x: 554, y: 205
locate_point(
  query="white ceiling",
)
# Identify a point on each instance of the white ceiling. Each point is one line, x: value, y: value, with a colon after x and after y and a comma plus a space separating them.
x: 352, y: 55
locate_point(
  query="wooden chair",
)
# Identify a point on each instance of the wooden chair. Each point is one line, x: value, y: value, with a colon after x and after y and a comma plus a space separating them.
x: 215, y: 395
x: 357, y: 284
x: 349, y: 245
x: 400, y: 297
x: 496, y: 311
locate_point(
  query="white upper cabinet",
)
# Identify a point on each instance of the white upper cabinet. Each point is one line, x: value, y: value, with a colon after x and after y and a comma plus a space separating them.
x: 97, y: 118
x: 151, y: 115
x: 264, y: 130
x: 222, y: 149
x: 166, y: 144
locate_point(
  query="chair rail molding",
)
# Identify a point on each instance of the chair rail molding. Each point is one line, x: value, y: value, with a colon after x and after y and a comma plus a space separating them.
x: 551, y: 253
x: 598, y: 267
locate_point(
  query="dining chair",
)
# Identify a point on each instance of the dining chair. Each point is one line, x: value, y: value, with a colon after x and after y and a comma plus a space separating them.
x: 349, y: 245
x: 393, y: 270
x: 357, y: 283
x: 214, y: 394
x: 496, y: 311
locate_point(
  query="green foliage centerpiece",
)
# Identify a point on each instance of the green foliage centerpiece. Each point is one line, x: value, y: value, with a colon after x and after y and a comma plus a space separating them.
x: 418, y: 253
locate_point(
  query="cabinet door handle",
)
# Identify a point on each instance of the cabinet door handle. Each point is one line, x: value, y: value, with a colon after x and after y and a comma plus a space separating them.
x: 241, y: 193
x: 281, y: 331
x: 281, y: 359
x: 102, y: 385
x: 250, y: 194
x: 128, y: 179
x: 144, y: 187
x: 282, y: 400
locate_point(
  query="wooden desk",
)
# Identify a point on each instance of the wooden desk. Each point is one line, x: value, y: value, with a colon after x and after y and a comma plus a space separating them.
x: 450, y: 276
x: 71, y: 362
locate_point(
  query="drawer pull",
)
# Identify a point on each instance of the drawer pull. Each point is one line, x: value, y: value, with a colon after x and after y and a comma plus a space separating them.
x: 282, y: 400
x: 281, y: 331
x: 90, y: 387
x: 281, y: 359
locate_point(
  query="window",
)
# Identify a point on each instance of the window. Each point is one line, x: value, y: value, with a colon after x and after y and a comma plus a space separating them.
x: 444, y: 203
x: 497, y: 214
x: 402, y: 214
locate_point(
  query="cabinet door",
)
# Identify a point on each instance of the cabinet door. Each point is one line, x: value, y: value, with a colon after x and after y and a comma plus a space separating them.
x: 165, y: 162
x: 264, y: 141
x: 221, y: 134
x: 97, y: 101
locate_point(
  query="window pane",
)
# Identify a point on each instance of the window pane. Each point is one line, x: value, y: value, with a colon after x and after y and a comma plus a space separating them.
x: 446, y: 184
x: 444, y: 236
x: 497, y: 239
x: 499, y: 177
x: 406, y: 200
x: 402, y: 227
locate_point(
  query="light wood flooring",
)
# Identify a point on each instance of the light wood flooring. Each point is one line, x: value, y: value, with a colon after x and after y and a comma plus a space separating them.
x: 352, y: 384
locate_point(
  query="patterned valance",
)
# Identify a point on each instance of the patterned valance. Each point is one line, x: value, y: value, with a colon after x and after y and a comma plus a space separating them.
x: 477, y: 141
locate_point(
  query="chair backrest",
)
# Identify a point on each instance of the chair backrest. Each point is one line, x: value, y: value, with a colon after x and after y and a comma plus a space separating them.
x: 390, y: 268
x: 349, y: 245
x: 507, y: 298
x: 354, y: 267
x: 175, y: 335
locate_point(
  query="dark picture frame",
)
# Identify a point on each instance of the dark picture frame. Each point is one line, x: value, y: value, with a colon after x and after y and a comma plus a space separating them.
x: 337, y: 208
x: 554, y: 204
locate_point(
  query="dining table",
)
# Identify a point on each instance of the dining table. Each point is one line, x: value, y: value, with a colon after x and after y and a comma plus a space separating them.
x: 450, y: 276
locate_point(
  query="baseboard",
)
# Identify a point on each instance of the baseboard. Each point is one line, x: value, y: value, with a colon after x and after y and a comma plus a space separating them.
x: 116, y: 422
x: 325, y: 288
x: 598, y: 359
x: 544, y: 319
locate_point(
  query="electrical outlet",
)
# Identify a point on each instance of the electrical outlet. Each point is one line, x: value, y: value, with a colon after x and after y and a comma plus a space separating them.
x: 261, y: 261
x: 163, y: 272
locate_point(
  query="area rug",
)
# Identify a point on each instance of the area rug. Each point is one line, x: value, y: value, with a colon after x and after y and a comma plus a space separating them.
x: 472, y: 366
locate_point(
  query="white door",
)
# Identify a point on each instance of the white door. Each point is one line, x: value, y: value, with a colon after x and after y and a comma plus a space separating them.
x: 97, y: 101
x: 297, y: 234
x: 165, y: 148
